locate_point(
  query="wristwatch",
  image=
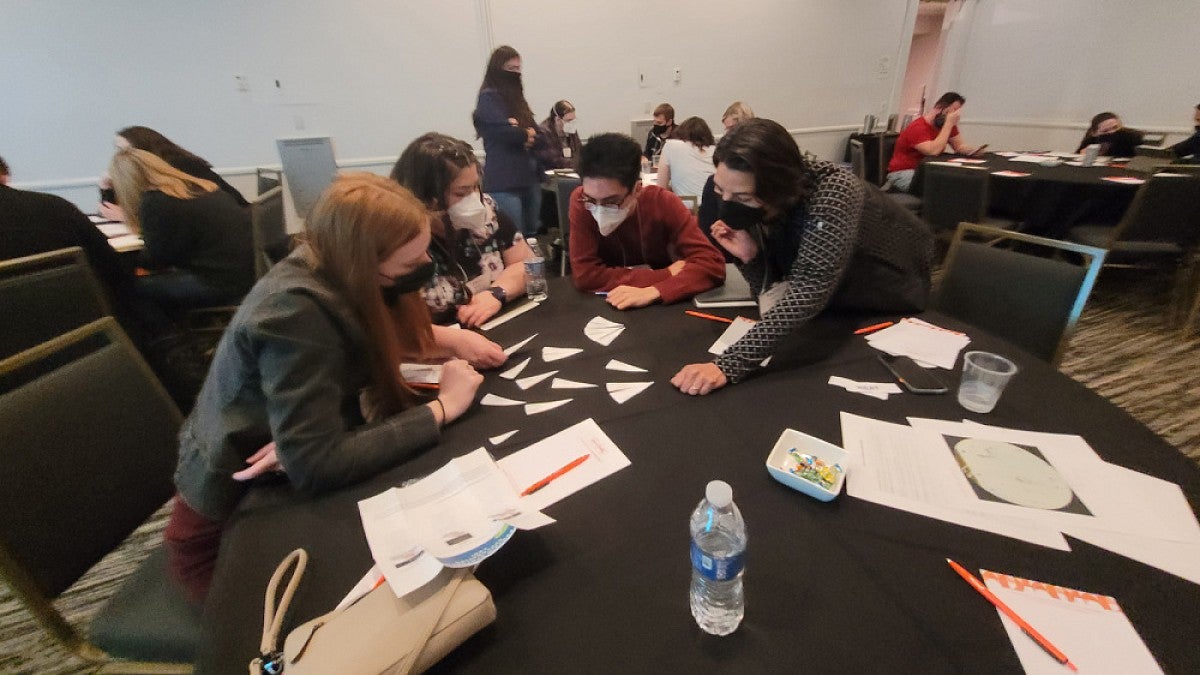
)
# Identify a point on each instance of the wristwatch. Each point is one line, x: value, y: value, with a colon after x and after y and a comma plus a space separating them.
x: 499, y: 293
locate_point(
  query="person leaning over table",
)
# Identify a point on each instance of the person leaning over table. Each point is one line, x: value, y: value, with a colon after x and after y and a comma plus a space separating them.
x: 808, y: 236
x: 558, y: 143
x: 706, y: 215
x: 639, y: 244
x: 1190, y: 147
x: 1114, y: 139
x: 478, y: 255
x: 306, y: 378
x: 927, y: 136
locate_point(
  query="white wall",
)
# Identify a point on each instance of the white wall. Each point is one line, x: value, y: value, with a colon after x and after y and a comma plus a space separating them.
x: 1035, y: 72
x: 373, y: 74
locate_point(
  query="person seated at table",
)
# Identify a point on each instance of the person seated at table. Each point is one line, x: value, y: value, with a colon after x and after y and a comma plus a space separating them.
x: 478, y: 255
x: 145, y: 138
x: 808, y: 236
x: 1190, y: 147
x: 558, y: 143
x: 927, y: 136
x: 686, y: 161
x: 664, y: 127
x: 736, y: 112
x: 198, y: 241
x: 306, y: 379
x: 1114, y: 139
x: 638, y: 243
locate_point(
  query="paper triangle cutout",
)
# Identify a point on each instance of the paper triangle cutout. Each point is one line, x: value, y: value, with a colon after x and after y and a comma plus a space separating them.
x: 623, y: 391
x: 556, y: 353
x: 560, y: 383
x: 535, y: 408
x: 520, y: 344
x: 527, y: 382
x: 497, y: 440
x: 492, y: 399
x: 623, y: 367
x: 512, y: 373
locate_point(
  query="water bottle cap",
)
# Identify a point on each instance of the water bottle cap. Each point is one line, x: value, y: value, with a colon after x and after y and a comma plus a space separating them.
x: 719, y: 494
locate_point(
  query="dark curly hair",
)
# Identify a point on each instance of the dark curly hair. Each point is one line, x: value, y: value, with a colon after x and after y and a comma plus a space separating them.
x: 145, y: 138
x: 763, y: 148
x: 430, y: 164
x: 614, y: 156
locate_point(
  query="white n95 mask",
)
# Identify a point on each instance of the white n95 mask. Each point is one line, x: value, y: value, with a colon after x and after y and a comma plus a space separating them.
x: 470, y: 214
x: 569, y: 127
x: 607, y: 217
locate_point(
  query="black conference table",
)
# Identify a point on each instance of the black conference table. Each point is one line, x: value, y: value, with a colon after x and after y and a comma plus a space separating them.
x: 845, y: 586
x: 1052, y: 199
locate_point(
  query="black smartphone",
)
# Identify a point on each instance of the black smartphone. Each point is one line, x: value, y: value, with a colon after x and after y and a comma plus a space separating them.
x: 912, y: 377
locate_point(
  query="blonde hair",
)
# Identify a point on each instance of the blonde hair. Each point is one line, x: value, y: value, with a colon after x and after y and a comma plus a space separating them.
x: 134, y: 172
x: 738, y: 111
x: 358, y: 222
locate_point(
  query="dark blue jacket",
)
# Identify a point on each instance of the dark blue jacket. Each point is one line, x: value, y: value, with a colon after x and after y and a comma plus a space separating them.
x: 508, y: 164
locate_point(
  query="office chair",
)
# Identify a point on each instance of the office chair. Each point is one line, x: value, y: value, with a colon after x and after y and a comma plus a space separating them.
x: 271, y: 241
x: 46, y: 295
x: 954, y: 194
x: 88, y: 454
x: 268, y: 179
x: 1031, y: 301
x: 858, y: 159
x: 1160, y: 229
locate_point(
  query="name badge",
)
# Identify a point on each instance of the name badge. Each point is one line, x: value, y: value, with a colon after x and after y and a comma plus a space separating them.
x: 567, y: 153
x: 770, y: 297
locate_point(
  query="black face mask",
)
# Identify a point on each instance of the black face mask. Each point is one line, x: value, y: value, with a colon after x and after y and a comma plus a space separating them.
x: 738, y: 216
x: 939, y: 120
x: 659, y: 129
x: 510, y: 77
x: 1103, y: 138
x: 1197, y: 127
x: 407, y: 283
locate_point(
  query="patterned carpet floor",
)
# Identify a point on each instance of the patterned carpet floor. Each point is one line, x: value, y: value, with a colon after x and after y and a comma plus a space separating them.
x: 1125, y: 348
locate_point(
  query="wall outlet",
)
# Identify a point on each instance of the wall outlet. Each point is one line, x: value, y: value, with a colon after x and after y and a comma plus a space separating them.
x: 677, y: 74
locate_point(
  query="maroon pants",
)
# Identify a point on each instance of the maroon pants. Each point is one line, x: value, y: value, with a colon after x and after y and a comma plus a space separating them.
x: 192, y: 543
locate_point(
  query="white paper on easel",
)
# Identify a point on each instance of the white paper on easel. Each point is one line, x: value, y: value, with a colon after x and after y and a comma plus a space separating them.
x: 623, y: 367
x: 520, y: 344
x: 1090, y: 628
x: 512, y: 373
x: 527, y: 382
x: 535, y: 408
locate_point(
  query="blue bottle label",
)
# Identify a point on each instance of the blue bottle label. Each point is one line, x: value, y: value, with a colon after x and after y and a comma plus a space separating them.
x: 716, y: 569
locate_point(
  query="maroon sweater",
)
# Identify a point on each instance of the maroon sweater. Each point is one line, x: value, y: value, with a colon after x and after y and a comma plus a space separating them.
x: 659, y: 231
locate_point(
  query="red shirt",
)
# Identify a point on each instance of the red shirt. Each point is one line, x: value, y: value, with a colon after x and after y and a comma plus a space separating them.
x: 907, y: 156
x: 660, y: 231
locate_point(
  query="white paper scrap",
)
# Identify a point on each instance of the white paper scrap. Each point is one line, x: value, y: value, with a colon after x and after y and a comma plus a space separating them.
x: 602, y: 330
x: 623, y: 391
x: 520, y: 344
x: 535, y: 408
x: 527, y: 382
x: 426, y: 373
x: 534, y: 463
x: 492, y: 399
x: 512, y: 373
x: 879, y: 390
x: 365, y: 585
x: 623, y: 367
x: 509, y: 315
x: 556, y: 353
x: 497, y: 440
x: 560, y: 383
x: 732, y: 334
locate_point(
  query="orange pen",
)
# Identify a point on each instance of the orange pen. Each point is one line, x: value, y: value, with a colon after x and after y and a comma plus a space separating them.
x: 874, y: 327
x: 546, y: 481
x: 710, y: 317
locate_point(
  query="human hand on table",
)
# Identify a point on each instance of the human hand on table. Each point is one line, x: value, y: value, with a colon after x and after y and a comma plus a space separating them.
x: 699, y: 379
x: 264, y: 460
x: 112, y: 212
x: 739, y: 243
x: 457, y: 387
x: 477, y: 350
x: 630, y: 297
x: 482, y: 307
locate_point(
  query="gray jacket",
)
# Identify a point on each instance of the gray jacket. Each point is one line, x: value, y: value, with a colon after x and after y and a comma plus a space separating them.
x: 290, y: 368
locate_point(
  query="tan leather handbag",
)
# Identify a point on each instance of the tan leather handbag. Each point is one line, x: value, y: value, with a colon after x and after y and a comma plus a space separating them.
x: 379, y: 633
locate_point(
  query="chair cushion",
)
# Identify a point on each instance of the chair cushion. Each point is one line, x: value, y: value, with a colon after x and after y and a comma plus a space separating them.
x: 148, y: 619
x: 910, y: 202
x: 1098, y: 235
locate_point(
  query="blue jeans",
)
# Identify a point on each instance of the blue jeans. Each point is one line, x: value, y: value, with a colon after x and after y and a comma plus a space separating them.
x: 523, y: 206
x: 902, y: 180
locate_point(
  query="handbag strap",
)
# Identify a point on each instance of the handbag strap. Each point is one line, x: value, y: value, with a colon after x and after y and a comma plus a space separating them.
x: 270, y: 659
x: 444, y: 598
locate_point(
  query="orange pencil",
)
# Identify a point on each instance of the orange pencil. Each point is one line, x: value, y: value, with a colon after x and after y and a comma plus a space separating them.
x: 546, y: 481
x: 424, y: 385
x: 711, y: 317
x: 1016, y: 618
x: 873, y: 327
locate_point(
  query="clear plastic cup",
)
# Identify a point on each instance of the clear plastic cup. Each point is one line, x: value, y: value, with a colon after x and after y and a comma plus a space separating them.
x: 984, y: 377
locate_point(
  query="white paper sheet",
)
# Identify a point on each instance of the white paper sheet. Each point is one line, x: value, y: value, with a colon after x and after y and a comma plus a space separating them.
x: 623, y: 391
x: 526, y: 467
x: 527, y: 382
x: 740, y: 326
x: 556, y: 353
x: 920, y: 340
x: 879, y: 390
x: 111, y: 230
x: 512, y: 373
x: 623, y: 367
x: 535, y: 408
x: 520, y: 344
x: 492, y: 399
x: 1089, y: 628
x: 906, y: 468
x: 126, y: 243
x: 428, y: 373
x: 511, y: 314
x: 560, y: 383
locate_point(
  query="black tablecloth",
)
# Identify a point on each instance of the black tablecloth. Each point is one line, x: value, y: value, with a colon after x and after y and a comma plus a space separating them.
x: 840, y: 586
x: 1052, y: 199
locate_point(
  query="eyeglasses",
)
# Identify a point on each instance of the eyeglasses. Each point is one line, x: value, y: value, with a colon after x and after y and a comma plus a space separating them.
x: 607, y: 201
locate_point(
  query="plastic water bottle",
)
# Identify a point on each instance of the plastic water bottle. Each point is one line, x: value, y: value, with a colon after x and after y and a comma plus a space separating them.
x: 718, y: 556
x: 535, y: 273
